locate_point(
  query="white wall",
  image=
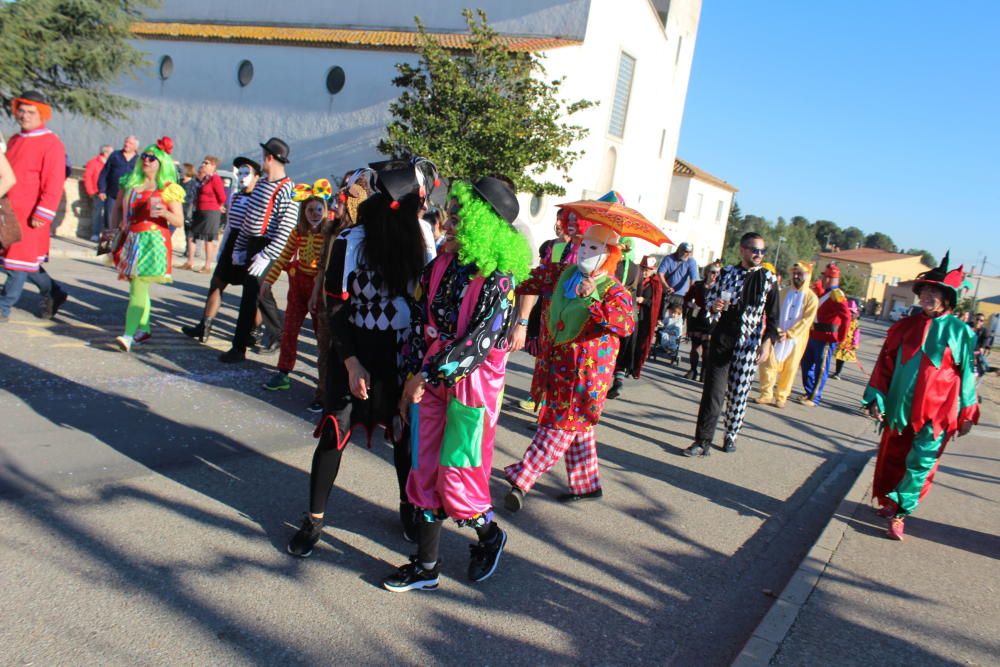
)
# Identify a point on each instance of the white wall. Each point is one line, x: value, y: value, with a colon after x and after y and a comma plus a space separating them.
x: 703, y: 228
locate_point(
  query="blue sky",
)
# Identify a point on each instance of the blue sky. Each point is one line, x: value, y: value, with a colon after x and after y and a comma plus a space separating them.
x: 882, y: 115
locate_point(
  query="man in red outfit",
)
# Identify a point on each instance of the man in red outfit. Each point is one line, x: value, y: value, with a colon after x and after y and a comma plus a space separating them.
x: 91, y: 174
x: 38, y: 159
x: 833, y: 319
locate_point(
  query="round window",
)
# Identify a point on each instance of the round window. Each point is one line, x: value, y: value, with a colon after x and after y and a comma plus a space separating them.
x: 245, y: 73
x: 166, y: 67
x: 335, y: 79
x: 535, y: 206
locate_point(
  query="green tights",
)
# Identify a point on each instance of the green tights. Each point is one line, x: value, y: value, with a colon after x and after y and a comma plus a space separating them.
x: 137, y: 314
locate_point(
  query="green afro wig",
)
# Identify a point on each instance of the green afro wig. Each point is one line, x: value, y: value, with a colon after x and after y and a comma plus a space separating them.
x: 485, y: 239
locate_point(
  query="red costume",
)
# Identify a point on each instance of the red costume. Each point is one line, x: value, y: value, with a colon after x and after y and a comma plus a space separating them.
x: 38, y: 159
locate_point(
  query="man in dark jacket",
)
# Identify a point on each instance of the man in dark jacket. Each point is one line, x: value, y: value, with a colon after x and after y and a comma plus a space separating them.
x: 119, y: 163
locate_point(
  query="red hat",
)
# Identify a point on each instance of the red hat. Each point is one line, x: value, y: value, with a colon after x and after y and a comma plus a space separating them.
x: 831, y: 271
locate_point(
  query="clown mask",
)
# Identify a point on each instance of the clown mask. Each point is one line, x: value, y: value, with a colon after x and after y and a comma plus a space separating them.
x: 591, y: 256
x: 243, y: 176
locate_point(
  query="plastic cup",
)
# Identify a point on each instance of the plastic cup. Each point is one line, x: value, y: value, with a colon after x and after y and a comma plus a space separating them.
x: 155, y: 206
x: 727, y: 297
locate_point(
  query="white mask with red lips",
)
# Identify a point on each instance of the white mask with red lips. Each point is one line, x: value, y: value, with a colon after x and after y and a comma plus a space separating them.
x: 590, y: 256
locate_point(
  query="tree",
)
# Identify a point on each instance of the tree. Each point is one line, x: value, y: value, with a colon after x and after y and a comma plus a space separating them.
x: 484, y: 111
x: 70, y: 50
x: 850, y: 238
x: 827, y: 233
x: 881, y: 241
x: 925, y: 256
x: 852, y: 285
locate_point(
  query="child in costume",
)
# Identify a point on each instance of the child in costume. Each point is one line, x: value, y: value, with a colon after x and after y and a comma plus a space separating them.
x: 151, y: 201
x: 923, y: 391
x: 848, y: 350
x: 458, y: 359
x: 589, y: 312
x: 300, y: 257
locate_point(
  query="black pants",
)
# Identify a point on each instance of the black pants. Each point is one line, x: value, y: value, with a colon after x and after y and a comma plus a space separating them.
x: 250, y: 302
x: 716, y: 382
x: 840, y: 366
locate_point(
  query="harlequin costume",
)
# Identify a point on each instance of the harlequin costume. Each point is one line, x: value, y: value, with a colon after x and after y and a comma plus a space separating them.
x: 146, y: 257
x: 847, y: 351
x: 38, y: 160
x: 575, y: 366
x: 300, y: 258
x: 373, y: 325
x: 731, y: 366
x: 923, y: 384
x: 797, y: 313
x: 830, y: 328
x: 458, y: 355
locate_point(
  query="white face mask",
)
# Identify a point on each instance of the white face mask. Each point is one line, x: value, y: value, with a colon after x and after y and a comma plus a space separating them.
x: 590, y: 256
x: 243, y: 176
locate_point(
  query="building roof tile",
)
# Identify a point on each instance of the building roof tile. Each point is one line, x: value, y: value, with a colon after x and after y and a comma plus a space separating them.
x: 400, y: 40
x: 865, y: 256
x: 682, y: 168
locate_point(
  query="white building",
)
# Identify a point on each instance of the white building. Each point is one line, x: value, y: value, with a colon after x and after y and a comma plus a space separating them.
x: 698, y: 210
x: 225, y: 76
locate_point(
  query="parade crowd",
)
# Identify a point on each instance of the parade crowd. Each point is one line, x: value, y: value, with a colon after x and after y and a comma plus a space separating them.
x: 418, y: 291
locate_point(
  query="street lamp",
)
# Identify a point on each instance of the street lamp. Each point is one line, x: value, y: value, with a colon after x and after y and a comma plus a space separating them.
x: 777, y: 253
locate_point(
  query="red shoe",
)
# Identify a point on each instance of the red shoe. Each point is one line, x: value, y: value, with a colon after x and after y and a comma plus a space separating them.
x: 141, y: 337
x: 895, y: 531
x: 890, y: 509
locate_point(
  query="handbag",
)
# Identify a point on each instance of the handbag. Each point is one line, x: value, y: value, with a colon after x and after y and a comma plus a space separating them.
x: 10, y: 228
x: 109, y: 241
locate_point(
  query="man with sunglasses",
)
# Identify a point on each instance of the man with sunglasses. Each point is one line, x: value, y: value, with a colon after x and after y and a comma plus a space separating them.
x: 833, y: 319
x: 743, y: 307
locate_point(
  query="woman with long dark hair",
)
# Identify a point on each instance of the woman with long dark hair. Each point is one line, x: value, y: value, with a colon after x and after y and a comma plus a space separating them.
x: 374, y: 266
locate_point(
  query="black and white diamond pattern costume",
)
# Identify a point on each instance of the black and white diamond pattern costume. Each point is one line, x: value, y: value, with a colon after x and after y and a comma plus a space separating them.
x: 731, y: 366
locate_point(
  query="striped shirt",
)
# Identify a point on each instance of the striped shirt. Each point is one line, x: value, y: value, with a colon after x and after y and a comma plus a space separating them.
x: 274, y: 226
x: 237, y: 209
x: 301, y: 253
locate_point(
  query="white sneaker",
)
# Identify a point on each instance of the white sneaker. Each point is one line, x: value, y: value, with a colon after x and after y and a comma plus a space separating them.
x: 124, y: 343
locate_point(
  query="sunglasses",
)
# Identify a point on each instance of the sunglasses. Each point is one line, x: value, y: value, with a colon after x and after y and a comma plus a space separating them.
x: 149, y: 157
x: 756, y: 251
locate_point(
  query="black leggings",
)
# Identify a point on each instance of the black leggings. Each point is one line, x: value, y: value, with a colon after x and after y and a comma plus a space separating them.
x: 840, y: 367
x: 430, y: 538
x: 699, y: 348
x: 326, y: 465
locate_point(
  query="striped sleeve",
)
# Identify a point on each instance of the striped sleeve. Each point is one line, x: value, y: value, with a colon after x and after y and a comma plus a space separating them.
x: 284, y: 258
x: 284, y: 217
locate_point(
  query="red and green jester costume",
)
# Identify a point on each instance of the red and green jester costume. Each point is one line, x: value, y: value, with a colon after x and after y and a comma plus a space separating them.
x: 924, y: 386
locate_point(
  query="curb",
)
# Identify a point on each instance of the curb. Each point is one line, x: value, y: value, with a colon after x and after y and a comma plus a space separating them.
x: 766, y: 639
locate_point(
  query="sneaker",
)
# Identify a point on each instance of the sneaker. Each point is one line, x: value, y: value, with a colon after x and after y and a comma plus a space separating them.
x: 413, y: 577
x: 698, y: 448
x: 835, y: 376
x: 315, y: 407
x: 408, y: 517
x: 571, y: 497
x: 762, y: 400
x: 303, y: 542
x: 124, y: 343
x: 141, y: 337
x: 616, y: 389
x: 780, y: 403
x: 233, y: 356
x: 527, y: 404
x: 730, y: 445
x: 805, y: 400
x: 514, y: 500
x: 278, y: 382
x: 895, y: 530
x: 484, y: 556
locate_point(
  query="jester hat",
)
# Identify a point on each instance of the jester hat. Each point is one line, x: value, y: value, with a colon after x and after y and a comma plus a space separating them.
x: 949, y: 281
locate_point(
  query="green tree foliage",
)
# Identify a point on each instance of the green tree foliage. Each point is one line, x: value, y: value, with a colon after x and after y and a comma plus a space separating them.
x: 925, y: 256
x: 484, y: 111
x: 827, y: 233
x: 70, y: 50
x: 881, y: 241
x: 852, y: 285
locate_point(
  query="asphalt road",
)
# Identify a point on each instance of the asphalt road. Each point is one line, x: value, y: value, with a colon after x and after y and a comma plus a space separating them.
x: 147, y: 500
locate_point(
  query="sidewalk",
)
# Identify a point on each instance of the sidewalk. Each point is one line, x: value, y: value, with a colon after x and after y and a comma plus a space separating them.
x: 930, y: 600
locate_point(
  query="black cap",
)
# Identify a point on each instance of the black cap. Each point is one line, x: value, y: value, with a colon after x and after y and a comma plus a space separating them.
x: 500, y: 196
x: 245, y: 161
x: 277, y: 148
x: 33, y: 96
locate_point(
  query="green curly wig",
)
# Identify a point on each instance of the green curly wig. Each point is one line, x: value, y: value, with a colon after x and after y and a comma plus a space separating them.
x: 485, y: 239
x: 166, y: 174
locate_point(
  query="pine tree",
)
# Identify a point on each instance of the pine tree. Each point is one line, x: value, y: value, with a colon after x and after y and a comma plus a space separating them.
x: 69, y: 50
x: 483, y: 111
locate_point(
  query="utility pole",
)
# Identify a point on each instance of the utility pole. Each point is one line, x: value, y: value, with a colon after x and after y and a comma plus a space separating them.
x: 979, y: 279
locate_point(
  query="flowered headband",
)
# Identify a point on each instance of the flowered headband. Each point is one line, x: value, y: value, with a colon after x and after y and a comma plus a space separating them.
x: 321, y: 189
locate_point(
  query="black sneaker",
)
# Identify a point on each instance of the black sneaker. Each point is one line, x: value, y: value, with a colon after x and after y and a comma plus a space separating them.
x: 51, y: 305
x: 408, y: 517
x: 616, y: 389
x: 315, y: 407
x: 730, y: 445
x: 303, y: 542
x: 514, y: 499
x: 234, y: 356
x: 698, y: 448
x: 197, y: 331
x: 412, y: 577
x: 485, y: 556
